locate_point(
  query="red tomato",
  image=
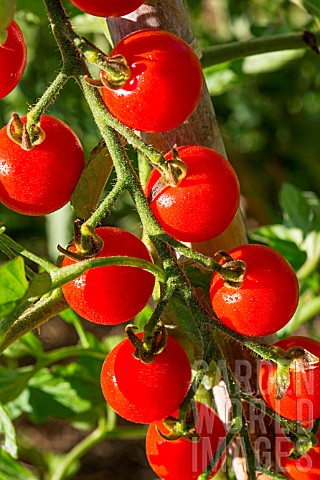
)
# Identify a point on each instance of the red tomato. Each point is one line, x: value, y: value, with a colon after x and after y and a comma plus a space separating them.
x: 13, y: 57
x: 182, y: 459
x: 165, y: 84
x: 204, y: 203
x: 305, y: 468
x: 112, y: 294
x: 144, y: 393
x: 107, y: 8
x: 267, y: 298
x: 40, y: 180
x: 302, y: 399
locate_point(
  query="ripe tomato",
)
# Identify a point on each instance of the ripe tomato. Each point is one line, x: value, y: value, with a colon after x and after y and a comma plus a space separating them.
x: 302, y: 399
x: 267, y: 298
x: 13, y: 57
x: 204, y: 203
x: 305, y: 468
x: 144, y: 393
x: 107, y: 8
x: 113, y: 294
x: 40, y: 180
x: 183, y: 459
x: 165, y: 84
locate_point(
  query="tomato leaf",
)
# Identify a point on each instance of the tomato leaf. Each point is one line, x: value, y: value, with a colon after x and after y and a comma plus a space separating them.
x: 297, y: 212
x: 13, y: 285
x: 29, y: 344
x: 40, y: 284
x: 93, y: 179
x: 284, y: 240
x: 8, y: 433
x: 13, y: 382
x: 11, y: 468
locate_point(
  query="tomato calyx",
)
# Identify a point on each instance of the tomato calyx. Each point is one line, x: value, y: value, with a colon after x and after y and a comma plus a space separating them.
x: 232, y: 271
x: 150, y: 345
x: 89, y: 248
x: 181, y: 428
x: 295, y: 358
x: 176, y: 172
x: 114, y: 75
x: 27, y: 138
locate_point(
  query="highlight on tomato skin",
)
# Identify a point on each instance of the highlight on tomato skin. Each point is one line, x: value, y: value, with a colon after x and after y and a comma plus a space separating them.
x: 306, y: 467
x: 204, y: 204
x: 185, y: 459
x: 301, y: 401
x: 165, y: 84
x: 108, y: 8
x: 143, y: 393
x: 13, y: 59
x: 41, y: 180
x: 113, y: 294
x: 267, y: 298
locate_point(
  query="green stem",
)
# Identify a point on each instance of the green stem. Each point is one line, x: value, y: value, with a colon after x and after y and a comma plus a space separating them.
x: 218, y: 454
x: 31, y: 318
x: 6, y: 241
x: 11, y: 255
x: 66, y: 274
x: 270, y: 473
x: 72, y: 317
x: 162, y: 303
x: 101, y: 433
x: 49, y: 96
x: 104, y: 207
x: 236, y: 50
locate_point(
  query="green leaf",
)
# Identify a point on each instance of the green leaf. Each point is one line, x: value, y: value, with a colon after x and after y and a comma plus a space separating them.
x: 13, y: 382
x: 29, y: 344
x: 13, y: 285
x: 40, y: 285
x: 297, y: 212
x: 198, y: 278
x: 177, y: 313
x: 284, y: 240
x: 11, y: 469
x: 8, y: 433
x: 53, y: 396
x: 93, y: 179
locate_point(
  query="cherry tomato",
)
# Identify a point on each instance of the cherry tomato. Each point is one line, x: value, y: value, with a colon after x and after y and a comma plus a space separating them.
x: 267, y: 298
x: 107, y: 8
x: 40, y: 180
x: 183, y: 459
x: 302, y: 399
x: 204, y: 203
x: 13, y: 57
x: 305, y: 468
x: 144, y: 393
x: 112, y: 294
x: 165, y: 84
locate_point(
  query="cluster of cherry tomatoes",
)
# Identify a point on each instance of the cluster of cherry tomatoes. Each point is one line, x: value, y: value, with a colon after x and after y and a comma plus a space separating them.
x: 36, y: 180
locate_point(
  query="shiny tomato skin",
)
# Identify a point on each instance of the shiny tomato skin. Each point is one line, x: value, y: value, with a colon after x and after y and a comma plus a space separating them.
x: 144, y: 393
x: 182, y: 459
x: 267, y: 298
x: 113, y: 294
x: 41, y: 180
x: 108, y: 8
x: 305, y: 468
x: 165, y: 84
x: 205, y: 202
x: 302, y: 400
x: 13, y: 58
